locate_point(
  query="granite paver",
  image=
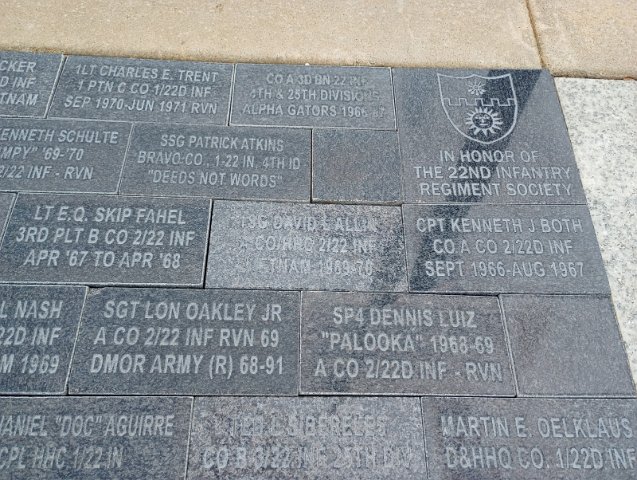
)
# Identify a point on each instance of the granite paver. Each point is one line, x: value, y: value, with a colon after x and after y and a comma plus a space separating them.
x: 361, y: 166
x: 109, y: 88
x: 291, y: 438
x: 39, y: 326
x: 395, y: 344
x: 61, y: 155
x: 26, y: 82
x: 306, y: 247
x: 184, y: 342
x: 530, y: 439
x: 60, y: 438
x: 484, y: 136
x: 503, y: 249
x: 105, y: 240
x: 566, y: 346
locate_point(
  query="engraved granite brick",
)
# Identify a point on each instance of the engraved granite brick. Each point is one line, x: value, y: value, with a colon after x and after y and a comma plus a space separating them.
x: 356, y: 166
x: 187, y: 342
x: 26, y: 82
x: 489, y: 136
x: 503, y: 249
x: 61, y: 155
x: 99, y: 438
x: 566, y: 346
x: 530, y: 438
x: 359, y: 343
x: 143, y: 90
x: 105, y: 240
x: 38, y: 325
x: 281, y: 438
x: 310, y: 247
x: 218, y: 162
x: 313, y: 96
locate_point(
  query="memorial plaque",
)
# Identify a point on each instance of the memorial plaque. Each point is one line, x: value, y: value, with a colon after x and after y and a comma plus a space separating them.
x: 99, y: 438
x: 38, y: 326
x: 503, y: 249
x: 143, y: 90
x: 358, y: 343
x: 356, y: 166
x: 530, y: 439
x: 219, y: 162
x: 26, y: 82
x: 182, y: 342
x: 313, y: 96
x: 308, y: 247
x: 566, y: 346
x: 303, y: 438
x: 105, y: 240
x: 61, y: 155
x: 489, y: 136
x: 6, y: 202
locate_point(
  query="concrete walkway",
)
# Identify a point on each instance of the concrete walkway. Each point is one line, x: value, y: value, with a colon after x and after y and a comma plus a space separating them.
x: 586, y: 38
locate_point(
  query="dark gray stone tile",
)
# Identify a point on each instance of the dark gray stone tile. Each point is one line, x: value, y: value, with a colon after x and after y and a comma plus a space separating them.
x: 26, y: 82
x: 61, y: 155
x: 503, y: 249
x: 38, y: 326
x: 313, y: 96
x: 310, y: 247
x: 356, y: 166
x: 105, y: 240
x: 6, y: 202
x: 566, y: 345
x: 187, y: 342
x: 358, y: 343
x: 98, y: 438
x: 303, y: 438
x: 530, y: 439
x: 219, y: 162
x: 490, y: 136
x: 139, y: 90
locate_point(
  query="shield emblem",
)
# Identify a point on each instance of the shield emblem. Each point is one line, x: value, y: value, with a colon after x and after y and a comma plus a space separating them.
x: 482, y: 109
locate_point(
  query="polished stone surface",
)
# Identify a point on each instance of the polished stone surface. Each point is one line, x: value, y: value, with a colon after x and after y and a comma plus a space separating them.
x: 502, y: 249
x: 61, y: 155
x: 356, y: 166
x: 187, y: 342
x: 600, y: 115
x: 307, y: 247
x: 97, y: 438
x: 26, y: 82
x: 566, y: 346
x: 313, y: 96
x: 105, y: 240
x: 381, y: 344
x: 143, y: 90
x: 484, y: 136
x: 38, y: 325
x: 290, y: 438
x: 310, y: 366
x: 219, y: 162
x: 6, y: 203
x: 530, y: 439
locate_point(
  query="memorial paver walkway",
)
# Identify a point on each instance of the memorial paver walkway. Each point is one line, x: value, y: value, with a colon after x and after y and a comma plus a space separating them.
x: 217, y: 270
